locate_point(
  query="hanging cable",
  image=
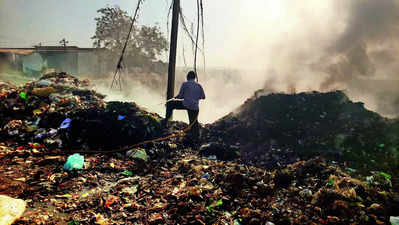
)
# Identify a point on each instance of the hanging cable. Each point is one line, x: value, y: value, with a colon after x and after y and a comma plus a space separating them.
x: 196, y: 41
x: 119, y: 65
x: 203, y: 34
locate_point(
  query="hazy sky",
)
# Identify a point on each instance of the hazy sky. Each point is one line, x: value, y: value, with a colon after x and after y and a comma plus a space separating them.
x: 24, y: 23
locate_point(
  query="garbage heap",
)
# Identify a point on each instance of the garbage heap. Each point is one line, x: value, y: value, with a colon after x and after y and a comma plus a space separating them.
x: 61, y: 111
x: 272, y: 130
x: 186, y: 189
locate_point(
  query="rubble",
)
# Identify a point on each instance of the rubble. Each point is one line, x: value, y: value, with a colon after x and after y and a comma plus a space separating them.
x: 166, y: 182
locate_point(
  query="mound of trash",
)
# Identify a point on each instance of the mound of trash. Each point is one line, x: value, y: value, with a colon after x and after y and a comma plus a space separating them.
x: 182, y: 188
x: 61, y: 111
x: 166, y: 182
x: 278, y: 129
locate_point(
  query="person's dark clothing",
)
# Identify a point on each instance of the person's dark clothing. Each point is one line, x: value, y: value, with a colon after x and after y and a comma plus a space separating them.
x: 192, y: 116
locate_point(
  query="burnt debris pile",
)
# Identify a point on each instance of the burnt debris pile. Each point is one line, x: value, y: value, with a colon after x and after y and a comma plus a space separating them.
x: 277, y: 129
x: 167, y: 182
x: 61, y: 111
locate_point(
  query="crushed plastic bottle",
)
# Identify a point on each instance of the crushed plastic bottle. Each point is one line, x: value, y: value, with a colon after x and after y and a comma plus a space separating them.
x: 74, y: 162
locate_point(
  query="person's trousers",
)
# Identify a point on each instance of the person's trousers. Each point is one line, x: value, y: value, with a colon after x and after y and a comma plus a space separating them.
x: 192, y: 116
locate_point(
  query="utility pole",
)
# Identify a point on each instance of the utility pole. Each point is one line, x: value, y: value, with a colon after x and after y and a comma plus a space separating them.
x: 172, y: 51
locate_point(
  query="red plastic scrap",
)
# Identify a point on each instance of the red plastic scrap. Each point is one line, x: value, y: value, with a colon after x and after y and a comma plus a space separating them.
x: 109, y: 202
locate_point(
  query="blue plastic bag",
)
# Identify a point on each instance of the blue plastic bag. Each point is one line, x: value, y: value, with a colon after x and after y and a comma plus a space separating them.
x: 74, y: 162
x: 66, y: 123
x: 120, y: 117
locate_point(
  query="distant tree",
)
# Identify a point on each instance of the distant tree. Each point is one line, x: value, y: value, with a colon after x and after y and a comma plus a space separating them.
x: 146, y: 43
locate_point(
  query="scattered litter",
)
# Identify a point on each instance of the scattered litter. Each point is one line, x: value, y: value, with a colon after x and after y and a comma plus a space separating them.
x: 74, y: 162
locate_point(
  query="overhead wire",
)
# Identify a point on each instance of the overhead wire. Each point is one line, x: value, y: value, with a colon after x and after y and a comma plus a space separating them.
x: 196, y: 41
x: 203, y: 34
x: 119, y: 65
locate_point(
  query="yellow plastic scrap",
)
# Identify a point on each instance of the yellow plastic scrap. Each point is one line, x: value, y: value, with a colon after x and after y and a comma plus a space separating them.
x: 37, y: 112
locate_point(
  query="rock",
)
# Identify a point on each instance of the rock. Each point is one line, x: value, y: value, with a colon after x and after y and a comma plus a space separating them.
x: 11, y: 209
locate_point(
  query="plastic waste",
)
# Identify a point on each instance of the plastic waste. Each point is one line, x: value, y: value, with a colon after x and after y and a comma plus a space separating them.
x: 394, y: 220
x: 236, y: 222
x: 73, y: 222
x: 23, y: 95
x: 11, y: 209
x: 387, y: 176
x: 214, y: 204
x: 120, y: 117
x: 331, y: 182
x: 66, y: 123
x: 212, y: 157
x: 127, y: 173
x: 50, y: 133
x: 31, y: 128
x: 74, y: 162
x: 206, y: 176
x: 137, y: 154
x: 40, y: 135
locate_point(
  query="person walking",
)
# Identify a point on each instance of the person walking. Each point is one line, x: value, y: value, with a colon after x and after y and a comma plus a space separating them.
x: 188, y: 98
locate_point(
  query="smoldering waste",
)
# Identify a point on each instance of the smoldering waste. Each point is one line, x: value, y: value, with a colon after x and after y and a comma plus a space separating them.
x: 168, y: 182
x: 276, y: 129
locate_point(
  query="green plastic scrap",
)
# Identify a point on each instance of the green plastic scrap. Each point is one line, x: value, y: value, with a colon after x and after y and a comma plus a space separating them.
x: 214, y: 204
x: 381, y: 145
x: 127, y: 173
x: 387, y: 176
x: 330, y: 182
x: 23, y: 95
x: 73, y: 222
